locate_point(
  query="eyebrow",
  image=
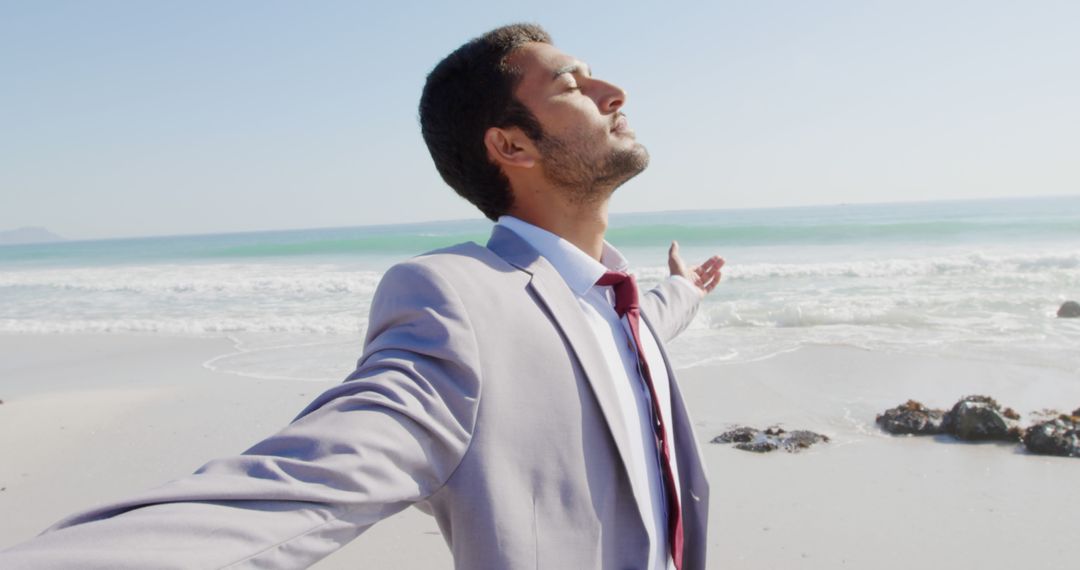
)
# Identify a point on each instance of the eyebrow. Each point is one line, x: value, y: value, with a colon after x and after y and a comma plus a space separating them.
x: 572, y: 68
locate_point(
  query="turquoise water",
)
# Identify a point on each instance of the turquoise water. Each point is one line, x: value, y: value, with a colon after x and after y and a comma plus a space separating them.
x: 942, y: 223
x: 977, y: 278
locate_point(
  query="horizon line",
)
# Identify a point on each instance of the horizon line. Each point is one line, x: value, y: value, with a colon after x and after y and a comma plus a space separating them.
x: 480, y: 219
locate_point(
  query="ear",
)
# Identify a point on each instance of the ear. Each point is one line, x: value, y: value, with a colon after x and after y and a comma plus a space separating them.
x: 510, y: 148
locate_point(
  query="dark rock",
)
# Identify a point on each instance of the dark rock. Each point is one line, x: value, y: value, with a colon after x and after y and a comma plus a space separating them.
x: 770, y: 439
x: 981, y: 418
x: 912, y: 417
x: 1059, y: 436
x: 1069, y: 310
x: 762, y: 445
x: 800, y: 439
x: 741, y: 434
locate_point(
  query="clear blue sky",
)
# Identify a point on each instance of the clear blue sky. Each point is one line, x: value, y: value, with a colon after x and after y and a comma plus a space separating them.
x: 142, y: 118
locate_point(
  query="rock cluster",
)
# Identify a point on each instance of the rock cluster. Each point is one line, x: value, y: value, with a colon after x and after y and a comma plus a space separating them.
x: 770, y: 439
x: 981, y: 418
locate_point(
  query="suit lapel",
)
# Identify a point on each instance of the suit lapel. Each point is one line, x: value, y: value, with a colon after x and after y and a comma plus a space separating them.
x: 562, y: 305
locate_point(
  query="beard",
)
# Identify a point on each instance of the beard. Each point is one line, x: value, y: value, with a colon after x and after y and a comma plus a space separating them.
x: 572, y: 164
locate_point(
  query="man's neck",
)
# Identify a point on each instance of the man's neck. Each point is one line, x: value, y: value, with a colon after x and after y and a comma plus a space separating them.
x: 583, y: 226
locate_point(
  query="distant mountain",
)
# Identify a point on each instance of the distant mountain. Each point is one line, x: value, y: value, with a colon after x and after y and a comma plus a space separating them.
x: 28, y: 235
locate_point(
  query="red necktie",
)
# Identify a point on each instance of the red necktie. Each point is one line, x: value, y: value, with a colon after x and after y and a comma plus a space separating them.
x: 626, y: 304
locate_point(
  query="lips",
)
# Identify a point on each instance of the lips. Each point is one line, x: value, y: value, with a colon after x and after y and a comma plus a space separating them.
x: 620, y: 124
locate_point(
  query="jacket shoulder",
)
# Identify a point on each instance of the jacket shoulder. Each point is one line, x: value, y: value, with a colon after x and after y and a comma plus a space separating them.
x: 463, y: 263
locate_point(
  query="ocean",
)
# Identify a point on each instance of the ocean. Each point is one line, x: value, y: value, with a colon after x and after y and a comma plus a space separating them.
x: 976, y: 279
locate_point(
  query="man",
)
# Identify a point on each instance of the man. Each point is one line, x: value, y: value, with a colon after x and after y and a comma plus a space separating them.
x: 519, y: 392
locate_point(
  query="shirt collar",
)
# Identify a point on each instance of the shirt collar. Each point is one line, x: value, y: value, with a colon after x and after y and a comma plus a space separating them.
x: 577, y: 268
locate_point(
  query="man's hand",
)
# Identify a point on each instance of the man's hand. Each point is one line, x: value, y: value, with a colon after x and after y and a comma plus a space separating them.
x: 705, y: 276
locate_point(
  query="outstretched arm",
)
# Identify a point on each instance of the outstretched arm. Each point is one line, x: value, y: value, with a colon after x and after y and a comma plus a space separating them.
x: 672, y: 304
x: 388, y: 437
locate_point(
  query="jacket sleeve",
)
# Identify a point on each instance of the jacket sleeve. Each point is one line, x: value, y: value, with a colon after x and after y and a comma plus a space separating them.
x: 671, y: 306
x: 389, y: 436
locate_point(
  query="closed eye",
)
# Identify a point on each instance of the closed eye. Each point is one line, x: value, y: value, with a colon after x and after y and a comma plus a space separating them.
x: 573, y: 72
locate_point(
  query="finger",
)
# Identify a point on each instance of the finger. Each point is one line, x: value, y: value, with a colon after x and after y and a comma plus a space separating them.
x: 707, y: 265
x: 719, y: 263
x: 712, y: 283
x: 716, y: 261
x: 713, y: 268
x: 675, y: 263
x: 712, y: 265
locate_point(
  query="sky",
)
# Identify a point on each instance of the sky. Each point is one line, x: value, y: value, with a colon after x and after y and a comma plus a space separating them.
x: 158, y: 118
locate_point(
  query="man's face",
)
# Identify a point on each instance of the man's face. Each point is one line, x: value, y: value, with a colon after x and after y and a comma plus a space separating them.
x: 588, y: 148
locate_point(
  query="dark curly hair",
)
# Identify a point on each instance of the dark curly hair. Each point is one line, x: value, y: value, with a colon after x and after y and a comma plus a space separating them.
x: 468, y: 92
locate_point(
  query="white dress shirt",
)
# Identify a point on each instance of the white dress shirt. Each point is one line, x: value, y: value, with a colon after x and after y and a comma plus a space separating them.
x: 581, y: 272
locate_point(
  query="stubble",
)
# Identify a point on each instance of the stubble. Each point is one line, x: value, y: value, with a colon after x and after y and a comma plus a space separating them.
x: 571, y: 164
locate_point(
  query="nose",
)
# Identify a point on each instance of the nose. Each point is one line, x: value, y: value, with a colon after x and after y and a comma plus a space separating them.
x: 609, y: 97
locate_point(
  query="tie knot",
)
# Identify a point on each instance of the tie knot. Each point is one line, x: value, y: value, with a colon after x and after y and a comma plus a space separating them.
x: 626, y: 295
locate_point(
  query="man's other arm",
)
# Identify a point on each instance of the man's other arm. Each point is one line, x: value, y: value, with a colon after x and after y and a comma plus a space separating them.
x: 388, y: 437
x: 672, y: 304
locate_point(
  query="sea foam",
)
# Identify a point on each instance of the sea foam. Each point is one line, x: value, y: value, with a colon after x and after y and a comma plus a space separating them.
x: 979, y: 279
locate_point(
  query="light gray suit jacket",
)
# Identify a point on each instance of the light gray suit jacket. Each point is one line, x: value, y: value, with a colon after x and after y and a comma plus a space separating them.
x: 481, y: 397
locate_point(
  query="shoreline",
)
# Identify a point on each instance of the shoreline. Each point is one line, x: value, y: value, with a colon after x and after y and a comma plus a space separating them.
x: 112, y: 414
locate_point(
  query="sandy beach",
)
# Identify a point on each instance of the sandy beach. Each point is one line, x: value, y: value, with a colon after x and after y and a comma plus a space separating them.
x: 89, y: 418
